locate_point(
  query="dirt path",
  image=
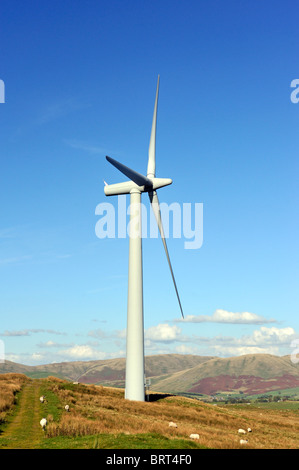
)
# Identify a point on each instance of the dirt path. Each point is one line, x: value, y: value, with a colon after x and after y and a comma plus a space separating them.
x: 24, y: 432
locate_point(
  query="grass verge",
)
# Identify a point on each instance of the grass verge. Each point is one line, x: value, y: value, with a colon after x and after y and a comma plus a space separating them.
x: 118, y: 441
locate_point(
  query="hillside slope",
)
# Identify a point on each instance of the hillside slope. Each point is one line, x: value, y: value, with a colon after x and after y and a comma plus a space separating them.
x: 100, y: 418
x: 251, y: 374
x: 110, y: 371
x: 175, y: 373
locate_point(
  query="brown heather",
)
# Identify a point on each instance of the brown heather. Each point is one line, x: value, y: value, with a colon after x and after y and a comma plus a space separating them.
x: 10, y: 384
x: 97, y: 409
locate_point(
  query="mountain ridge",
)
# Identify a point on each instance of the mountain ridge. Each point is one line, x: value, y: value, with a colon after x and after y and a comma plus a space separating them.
x: 177, y: 373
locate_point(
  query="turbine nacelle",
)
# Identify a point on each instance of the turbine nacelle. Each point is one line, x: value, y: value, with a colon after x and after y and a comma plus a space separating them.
x: 128, y: 186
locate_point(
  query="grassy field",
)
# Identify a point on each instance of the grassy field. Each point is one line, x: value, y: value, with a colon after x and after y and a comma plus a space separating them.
x: 100, y: 418
x: 282, y: 405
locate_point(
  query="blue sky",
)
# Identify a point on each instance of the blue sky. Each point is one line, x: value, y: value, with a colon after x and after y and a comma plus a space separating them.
x: 80, y: 81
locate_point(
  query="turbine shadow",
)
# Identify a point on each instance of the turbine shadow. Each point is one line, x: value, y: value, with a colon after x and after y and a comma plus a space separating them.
x: 157, y: 396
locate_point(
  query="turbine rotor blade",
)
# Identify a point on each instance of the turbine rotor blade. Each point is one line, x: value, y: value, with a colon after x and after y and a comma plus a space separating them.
x: 156, y: 209
x: 151, y: 166
x: 131, y: 174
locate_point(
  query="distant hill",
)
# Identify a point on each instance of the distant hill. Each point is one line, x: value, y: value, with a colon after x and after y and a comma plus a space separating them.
x: 250, y: 374
x: 175, y: 373
x: 109, y: 371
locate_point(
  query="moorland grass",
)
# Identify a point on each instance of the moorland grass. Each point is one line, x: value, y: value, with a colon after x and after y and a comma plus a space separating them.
x: 100, y: 418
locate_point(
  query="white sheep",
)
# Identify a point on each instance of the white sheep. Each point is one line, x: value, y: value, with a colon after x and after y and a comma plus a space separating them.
x: 249, y: 430
x: 42, y: 399
x: 194, y: 436
x: 241, y: 431
x: 243, y: 441
x: 43, y: 422
x: 67, y: 408
x: 173, y: 425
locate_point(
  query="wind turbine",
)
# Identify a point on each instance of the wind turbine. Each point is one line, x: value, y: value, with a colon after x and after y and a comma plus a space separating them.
x: 137, y: 185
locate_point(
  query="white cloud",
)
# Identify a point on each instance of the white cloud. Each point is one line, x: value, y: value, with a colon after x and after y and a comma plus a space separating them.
x: 99, y: 333
x: 226, y: 351
x: 12, y: 357
x: 122, y: 333
x: 223, y: 316
x: 15, y: 259
x: 262, y: 341
x: 85, y: 146
x: 28, y: 332
x: 265, y: 340
x: 82, y: 352
x: 85, y: 351
x: 273, y: 336
x: 163, y: 333
x: 36, y: 356
x: 58, y: 109
x: 49, y: 344
x: 52, y: 344
x: 183, y: 349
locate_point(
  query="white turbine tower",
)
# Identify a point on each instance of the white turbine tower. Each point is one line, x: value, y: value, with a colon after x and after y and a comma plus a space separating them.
x: 135, y: 387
